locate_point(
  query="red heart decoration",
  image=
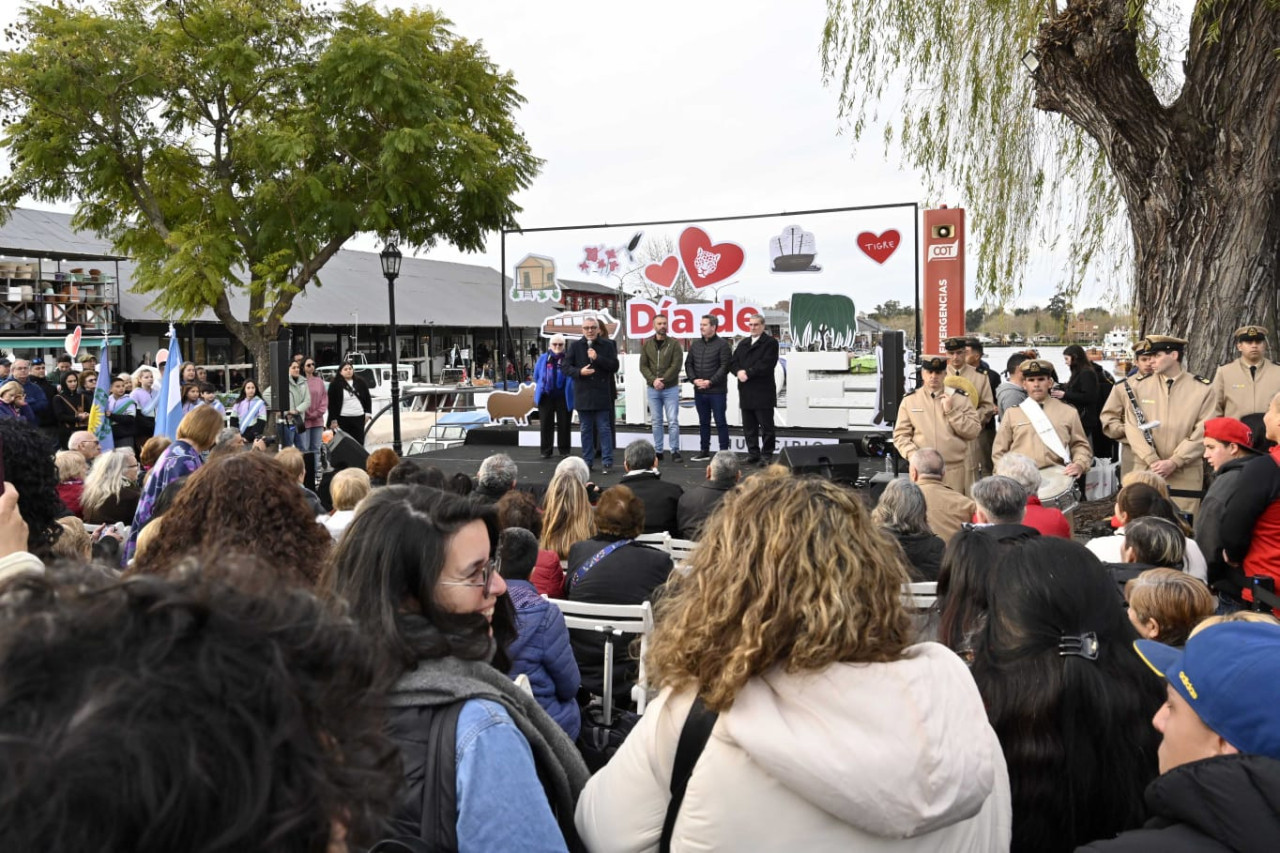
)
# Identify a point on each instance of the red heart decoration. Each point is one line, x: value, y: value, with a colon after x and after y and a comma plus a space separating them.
x: 704, y: 263
x: 663, y: 274
x: 73, y: 342
x: 879, y: 248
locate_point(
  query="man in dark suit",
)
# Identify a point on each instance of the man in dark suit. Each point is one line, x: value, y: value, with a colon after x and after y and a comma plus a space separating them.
x: 753, y: 363
x: 698, y: 503
x: 591, y: 362
x: 660, y: 499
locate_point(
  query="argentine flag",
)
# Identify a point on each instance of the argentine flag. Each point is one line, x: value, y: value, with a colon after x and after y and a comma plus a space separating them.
x: 169, y: 409
x: 99, y: 423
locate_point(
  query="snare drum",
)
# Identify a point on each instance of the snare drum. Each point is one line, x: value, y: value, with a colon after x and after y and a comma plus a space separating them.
x: 1057, y: 490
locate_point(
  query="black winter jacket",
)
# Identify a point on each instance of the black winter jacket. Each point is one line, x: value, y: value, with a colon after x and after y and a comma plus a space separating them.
x: 594, y: 392
x: 1229, y: 803
x: 709, y: 360
x: 759, y: 391
x: 660, y: 500
x: 1208, y: 526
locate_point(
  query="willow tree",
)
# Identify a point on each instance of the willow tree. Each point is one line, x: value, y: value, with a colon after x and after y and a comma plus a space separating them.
x: 1061, y: 123
x: 236, y: 145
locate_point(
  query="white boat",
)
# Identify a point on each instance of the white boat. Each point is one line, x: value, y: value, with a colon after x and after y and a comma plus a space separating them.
x: 1118, y: 344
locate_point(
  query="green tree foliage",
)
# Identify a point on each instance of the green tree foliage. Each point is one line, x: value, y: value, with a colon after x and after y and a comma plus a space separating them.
x: 236, y: 145
x: 973, y: 318
x: 885, y: 310
x: 1167, y: 181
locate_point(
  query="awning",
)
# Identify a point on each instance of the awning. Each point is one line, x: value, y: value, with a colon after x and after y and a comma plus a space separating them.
x: 58, y: 343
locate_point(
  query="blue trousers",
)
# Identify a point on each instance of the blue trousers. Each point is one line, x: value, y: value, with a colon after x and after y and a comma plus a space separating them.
x: 593, y: 421
x: 709, y: 405
x: 664, y: 405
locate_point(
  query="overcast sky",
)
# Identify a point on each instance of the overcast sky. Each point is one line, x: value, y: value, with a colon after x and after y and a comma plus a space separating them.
x: 673, y: 109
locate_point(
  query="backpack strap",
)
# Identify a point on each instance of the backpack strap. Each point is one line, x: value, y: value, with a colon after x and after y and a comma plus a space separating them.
x: 439, y: 826
x: 693, y: 739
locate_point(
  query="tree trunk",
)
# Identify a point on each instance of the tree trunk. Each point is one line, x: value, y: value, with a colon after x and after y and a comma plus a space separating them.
x: 1199, y: 177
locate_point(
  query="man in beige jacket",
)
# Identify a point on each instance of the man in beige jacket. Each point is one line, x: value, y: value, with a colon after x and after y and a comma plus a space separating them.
x: 942, y: 418
x: 1019, y: 432
x: 945, y: 508
x: 1246, y: 385
x: 979, y: 464
x: 1180, y: 403
x: 1118, y: 409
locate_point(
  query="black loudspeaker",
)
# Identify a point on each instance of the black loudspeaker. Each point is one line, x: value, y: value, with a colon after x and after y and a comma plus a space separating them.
x: 892, y: 345
x: 346, y: 452
x: 279, y: 351
x: 835, y: 462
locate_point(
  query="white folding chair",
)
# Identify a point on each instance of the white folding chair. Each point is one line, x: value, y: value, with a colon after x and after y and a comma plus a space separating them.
x: 613, y: 620
x: 681, y: 550
x: 661, y: 539
x: 920, y: 596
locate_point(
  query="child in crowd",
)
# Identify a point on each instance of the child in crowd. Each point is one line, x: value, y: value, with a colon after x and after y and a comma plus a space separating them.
x: 190, y: 397
x: 122, y: 411
x: 209, y: 397
x: 1166, y: 604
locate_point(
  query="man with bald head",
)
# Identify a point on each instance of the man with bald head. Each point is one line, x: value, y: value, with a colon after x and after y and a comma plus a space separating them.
x: 947, y: 509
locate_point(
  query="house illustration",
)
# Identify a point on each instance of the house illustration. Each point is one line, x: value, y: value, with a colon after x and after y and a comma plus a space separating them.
x: 535, y: 280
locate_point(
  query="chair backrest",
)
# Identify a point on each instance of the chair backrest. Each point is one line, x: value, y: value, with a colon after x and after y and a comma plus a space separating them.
x: 681, y: 549
x: 920, y: 596
x: 614, y: 619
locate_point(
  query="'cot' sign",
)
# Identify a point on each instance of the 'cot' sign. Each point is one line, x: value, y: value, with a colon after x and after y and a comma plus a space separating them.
x: 684, y: 320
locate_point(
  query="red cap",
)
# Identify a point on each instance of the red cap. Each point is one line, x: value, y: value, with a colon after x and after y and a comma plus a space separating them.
x: 1228, y: 431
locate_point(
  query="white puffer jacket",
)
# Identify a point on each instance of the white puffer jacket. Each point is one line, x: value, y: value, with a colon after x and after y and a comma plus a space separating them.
x: 857, y: 757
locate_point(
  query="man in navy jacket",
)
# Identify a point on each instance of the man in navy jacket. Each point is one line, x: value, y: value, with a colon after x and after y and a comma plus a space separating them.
x: 592, y: 362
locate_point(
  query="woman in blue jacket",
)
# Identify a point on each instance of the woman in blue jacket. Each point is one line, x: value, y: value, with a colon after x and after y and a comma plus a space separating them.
x: 553, y: 392
x: 541, y: 648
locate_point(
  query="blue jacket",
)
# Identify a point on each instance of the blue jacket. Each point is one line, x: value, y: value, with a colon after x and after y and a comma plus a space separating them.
x: 541, y: 651
x: 562, y: 381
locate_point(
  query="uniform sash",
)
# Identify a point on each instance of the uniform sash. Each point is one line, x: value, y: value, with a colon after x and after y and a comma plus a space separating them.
x: 1044, y: 428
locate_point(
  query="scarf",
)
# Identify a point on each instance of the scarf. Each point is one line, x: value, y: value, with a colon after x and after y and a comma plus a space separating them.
x: 553, y: 378
x: 445, y: 680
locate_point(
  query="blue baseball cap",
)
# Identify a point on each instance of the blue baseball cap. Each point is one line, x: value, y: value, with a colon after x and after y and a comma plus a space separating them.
x: 1230, y: 676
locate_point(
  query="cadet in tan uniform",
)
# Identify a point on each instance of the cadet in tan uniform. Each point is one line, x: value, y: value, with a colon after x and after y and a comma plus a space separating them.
x: 1017, y: 433
x: 938, y: 417
x: 957, y: 353
x: 1181, y: 403
x: 1246, y: 385
x: 1118, y: 409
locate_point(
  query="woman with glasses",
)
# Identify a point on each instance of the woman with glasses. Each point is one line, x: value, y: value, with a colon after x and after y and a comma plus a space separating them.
x: 553, y: 392
x: 111, y: 490
x: 416, y: 570
x: 309, y: 436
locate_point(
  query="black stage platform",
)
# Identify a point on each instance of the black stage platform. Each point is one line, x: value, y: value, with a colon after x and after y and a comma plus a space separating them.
x: 536, y: 471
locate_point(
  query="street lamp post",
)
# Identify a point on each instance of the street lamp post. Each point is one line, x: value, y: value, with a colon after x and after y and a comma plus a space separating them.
x: 391, y: 269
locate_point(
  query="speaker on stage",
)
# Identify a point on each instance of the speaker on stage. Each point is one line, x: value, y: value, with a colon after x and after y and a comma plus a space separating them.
x: 892, y: 377
x: 279, y: 351
x: 835, y: 462
x: 346, y: 452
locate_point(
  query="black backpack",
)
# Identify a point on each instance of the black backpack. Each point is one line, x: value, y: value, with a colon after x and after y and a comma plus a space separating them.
x: 1105, y: 383
x: 438, y: 832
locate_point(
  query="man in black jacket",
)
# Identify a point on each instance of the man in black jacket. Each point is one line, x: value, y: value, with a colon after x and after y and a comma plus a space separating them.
x: 591, y: 362
x: 753, y: 363
x: 660, y: 499
x: 698, y: 503
x: 1228, y: 447
x: 1219, y: 783
x: 707, y: 367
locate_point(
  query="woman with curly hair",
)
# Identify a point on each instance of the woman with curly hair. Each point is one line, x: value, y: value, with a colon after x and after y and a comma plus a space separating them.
x: 833, y: 731
x: 151, y: 451
x: 567, y: 518
x: 28, y: 465
x: 260, y: 512
x: 111, y: 490
x: 379, y: 465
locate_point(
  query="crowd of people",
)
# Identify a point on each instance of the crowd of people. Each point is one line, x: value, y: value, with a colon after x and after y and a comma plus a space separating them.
x: 201, y: 650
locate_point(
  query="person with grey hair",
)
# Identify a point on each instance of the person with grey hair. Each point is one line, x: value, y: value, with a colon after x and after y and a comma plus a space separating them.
x: 1048, y: 520
x: 496, y: 477
x: 696, y: 505
x: 576, y: 466
x: 753, y: 363
x: 948, y: 509
x: 553, y: 394
x: 1002, y: 504
x: 660, y: 499
x: 903, y: 515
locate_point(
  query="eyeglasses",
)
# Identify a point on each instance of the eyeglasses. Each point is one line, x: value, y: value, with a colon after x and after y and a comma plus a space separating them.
x: 491, y: 568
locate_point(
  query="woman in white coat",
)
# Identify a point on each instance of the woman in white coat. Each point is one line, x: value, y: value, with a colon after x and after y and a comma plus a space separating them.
x: 834, y: 731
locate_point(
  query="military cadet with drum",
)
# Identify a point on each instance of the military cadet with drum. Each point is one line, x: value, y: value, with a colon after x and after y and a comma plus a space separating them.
x: 942, y: 418
x: 1166, y: 432
x: 1246, y: 385
x: 1045, y: 430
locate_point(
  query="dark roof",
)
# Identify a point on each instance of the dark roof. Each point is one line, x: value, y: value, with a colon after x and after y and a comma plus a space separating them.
x: 439, y: 292
x: 587, y: 287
